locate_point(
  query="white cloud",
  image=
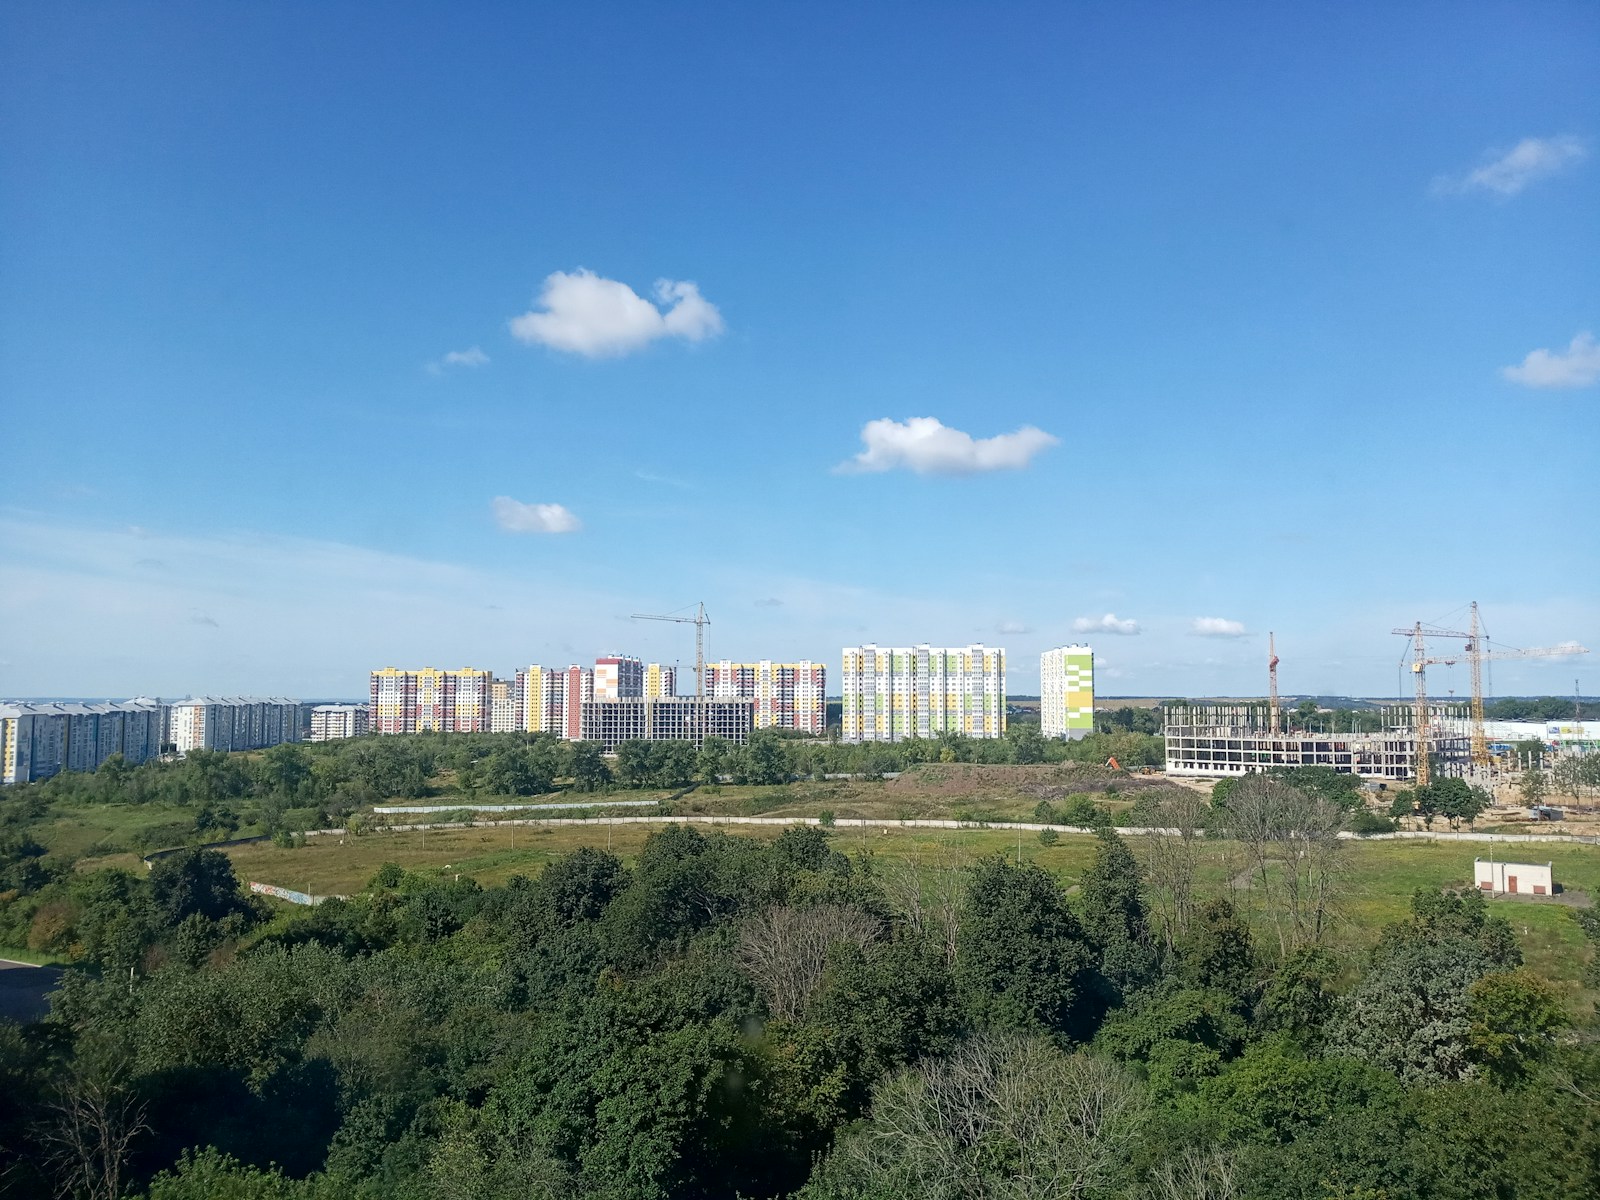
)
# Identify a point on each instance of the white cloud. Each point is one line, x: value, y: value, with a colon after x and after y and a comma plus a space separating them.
x: 516, y: 517
x: 1110, y: 623
x: 1013, y: 627
x: 583, y: 313
x: 1507, y: 172
x: 1577, y: 366
x: 1217, y: 627
x: 472, y: 357
x: 929, y: 447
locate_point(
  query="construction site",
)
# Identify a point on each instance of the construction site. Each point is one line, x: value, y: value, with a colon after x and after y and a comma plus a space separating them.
x: 1219, y: 740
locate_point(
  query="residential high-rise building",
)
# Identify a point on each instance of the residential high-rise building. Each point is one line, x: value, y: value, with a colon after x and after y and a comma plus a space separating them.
x: 335, y: 722
x: 37, y: 740
x: 618, y: 678
x: 923, y: 691
x: 431, y: 700
x: 579, y: 691
x: 1066, y: 692
x: 502, y: 706
x: 660, y: 681
x: 232, y: 723
x: 677, y: 718
x: 786, y: 695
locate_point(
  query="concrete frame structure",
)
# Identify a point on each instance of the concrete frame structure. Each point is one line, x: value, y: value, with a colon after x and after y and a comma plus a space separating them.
x: 1219, y: 740
x: 676, y: 718
x: 790, y: 695
x: 923, y: 691
x: 1066, y: 692
x: 336, y: 722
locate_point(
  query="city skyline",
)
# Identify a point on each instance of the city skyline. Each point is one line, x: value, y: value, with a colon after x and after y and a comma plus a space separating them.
x: 1149, y: 328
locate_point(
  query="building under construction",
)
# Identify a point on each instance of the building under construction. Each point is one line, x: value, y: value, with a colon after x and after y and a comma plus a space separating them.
x: 1235, y: 739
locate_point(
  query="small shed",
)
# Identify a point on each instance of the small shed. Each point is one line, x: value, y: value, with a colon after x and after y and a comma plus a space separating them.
x: 1509, y: 878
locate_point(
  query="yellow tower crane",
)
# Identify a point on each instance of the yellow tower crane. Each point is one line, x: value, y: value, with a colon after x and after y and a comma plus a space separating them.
x: 1476, y: 655
x: 699, y: 621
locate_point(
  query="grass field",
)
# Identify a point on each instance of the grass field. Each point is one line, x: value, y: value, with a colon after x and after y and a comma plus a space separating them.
x: 1381, y: 876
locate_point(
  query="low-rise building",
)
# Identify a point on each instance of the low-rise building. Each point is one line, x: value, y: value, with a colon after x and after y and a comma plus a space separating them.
x: 1514, y: 879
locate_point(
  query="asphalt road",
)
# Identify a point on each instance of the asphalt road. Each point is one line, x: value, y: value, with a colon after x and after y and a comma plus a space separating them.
x: 25, y: 990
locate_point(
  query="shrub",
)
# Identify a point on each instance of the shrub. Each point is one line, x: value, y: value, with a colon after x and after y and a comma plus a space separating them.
x: 1363, y: 821
x: 1048, y: 837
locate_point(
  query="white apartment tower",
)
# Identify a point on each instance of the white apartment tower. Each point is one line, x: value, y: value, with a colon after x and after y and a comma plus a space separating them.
x: 1066, y: 692
x: 923, y: 691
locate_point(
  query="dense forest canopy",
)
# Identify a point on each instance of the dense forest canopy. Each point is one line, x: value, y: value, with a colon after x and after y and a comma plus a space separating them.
x: 732, y: 1017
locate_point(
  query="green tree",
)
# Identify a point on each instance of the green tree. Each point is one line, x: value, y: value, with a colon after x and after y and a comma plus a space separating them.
x: 1533, y: 787
x: 764, y: 761
x: 1027, y: 743
x: 1115, y: 920
x: 1022, y: 959
x: 1515, y: 1017
x: 589, y: 770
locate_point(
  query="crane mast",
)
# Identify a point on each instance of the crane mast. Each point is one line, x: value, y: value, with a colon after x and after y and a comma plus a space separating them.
x: 1477, y: 655
x: 1272, y: 684
x: 699, y: 621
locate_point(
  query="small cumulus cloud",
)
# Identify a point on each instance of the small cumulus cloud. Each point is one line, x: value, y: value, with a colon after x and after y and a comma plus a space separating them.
x: 1012, y: 627
x: 1110, y: 623
x: 1218, y: 627
x: 583, y: 313
x: 202, y: 619
x: 769, y: 602
x: 151, y: 564
x: 930, y: 447
x: 1576, y: 366
x: 664, y: 480
x: 1506, y: 172
x: 473, y: 357
x: 516, y: 517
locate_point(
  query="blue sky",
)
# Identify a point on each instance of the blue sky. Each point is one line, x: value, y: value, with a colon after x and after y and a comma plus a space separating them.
x: 331, y: 337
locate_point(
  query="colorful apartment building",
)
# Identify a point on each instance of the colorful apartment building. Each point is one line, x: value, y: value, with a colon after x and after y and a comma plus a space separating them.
x: 923, y: 691
x: 1066, y: 692
x: 502, y: 707
x: 618, y: 677
x: 430, y: 700
x: 786, y: 695
x: 660, y: 681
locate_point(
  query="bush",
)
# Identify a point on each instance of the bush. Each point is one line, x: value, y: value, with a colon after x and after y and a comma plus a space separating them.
x: 1364, y: 821
x: 825, y: 818
x: 1048, y: 837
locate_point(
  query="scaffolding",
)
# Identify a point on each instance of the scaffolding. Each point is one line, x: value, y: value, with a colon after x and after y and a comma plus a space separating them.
x: 1220, y: 740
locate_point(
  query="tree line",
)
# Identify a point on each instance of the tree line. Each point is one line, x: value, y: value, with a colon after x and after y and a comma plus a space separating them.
x: 727, y: 1016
